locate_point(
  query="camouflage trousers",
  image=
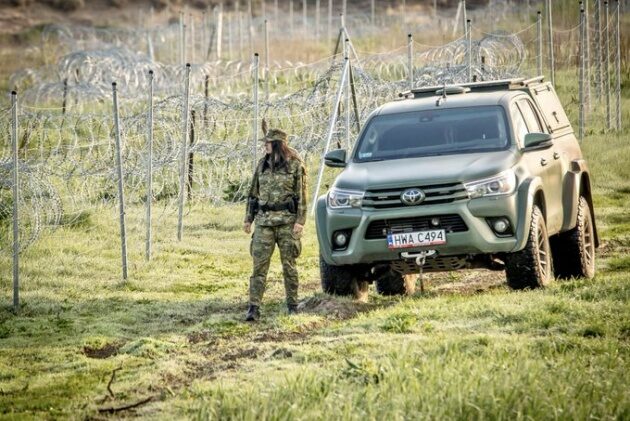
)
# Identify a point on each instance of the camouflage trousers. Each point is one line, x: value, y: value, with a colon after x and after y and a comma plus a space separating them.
x: 263, y: 244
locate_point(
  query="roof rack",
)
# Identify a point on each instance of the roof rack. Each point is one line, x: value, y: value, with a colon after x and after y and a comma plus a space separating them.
x: 485, y: 86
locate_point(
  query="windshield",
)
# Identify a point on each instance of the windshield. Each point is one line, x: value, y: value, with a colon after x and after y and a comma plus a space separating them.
x: 433, y: 132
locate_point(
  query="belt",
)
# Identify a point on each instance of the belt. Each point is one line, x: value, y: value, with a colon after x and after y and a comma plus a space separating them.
x: 275, y: 206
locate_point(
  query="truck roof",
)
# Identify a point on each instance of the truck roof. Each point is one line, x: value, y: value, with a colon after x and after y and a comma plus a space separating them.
x: 460, y: 95
x: 470, y: 99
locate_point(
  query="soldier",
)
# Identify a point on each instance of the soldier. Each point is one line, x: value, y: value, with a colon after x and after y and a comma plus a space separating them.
x: 277, y: 205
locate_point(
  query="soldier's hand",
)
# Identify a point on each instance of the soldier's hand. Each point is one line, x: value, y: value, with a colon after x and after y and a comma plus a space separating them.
x: 297, y: 228
x: 247, y: 227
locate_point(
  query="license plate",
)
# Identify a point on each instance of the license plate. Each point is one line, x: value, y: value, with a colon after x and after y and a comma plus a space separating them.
x: 416, y: 239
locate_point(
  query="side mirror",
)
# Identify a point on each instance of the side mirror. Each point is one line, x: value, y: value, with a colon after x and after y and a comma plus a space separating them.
x: 537, y: 141
x: 335, y: 158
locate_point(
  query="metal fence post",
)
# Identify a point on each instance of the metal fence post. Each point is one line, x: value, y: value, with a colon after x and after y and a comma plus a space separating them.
x: 266, y: 62
x: 219, y: 31
x: 16, y: 201
x: 149, y: 166
x: 184, y: 159
x: 347, y: 88
x: 255, y: 120
x: 607, y: 64
x: 539, y: 44
x: 331, y: 128
x: 552, y: 64
x: 121, y: 191
x: 582, y: 55
x: 410, y: 60
x: 598, y: 49
x: 469, y: 47
x: 464, y: 18
x: 618, y: 66
x: 587, y: 59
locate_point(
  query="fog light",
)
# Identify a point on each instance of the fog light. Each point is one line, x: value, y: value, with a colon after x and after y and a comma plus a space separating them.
x: 501, y: 225
x: 435, y: 222
x: 340, y: 238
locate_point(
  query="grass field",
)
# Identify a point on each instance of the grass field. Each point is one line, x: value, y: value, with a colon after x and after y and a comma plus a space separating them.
x: 170, y: 342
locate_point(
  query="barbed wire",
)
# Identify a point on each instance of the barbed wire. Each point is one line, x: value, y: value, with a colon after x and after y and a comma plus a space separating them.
x: 66, y: 131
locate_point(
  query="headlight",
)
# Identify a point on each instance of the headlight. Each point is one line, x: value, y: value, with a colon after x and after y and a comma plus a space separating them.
x: 502, y: 184
x: 343, y: 199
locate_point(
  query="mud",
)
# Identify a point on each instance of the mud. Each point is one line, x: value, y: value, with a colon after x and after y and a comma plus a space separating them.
x: 106, y: 351
x: 333, y: 307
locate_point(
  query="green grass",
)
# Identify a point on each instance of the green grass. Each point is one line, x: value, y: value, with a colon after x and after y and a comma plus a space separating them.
x: 174, y: 332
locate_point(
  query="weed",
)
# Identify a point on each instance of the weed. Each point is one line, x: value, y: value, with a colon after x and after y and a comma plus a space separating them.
x: 400, y: 323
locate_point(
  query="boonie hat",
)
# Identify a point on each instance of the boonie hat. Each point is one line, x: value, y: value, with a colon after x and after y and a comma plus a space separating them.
x: 275, y: 135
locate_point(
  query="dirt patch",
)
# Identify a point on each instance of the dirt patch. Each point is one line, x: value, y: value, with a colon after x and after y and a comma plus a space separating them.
x: 614, y: 246
x: 471, y: 282
x: 106, y: 351
x: 281, y: 353
x: 332, y: 307
x: 203, y: 336
x: 240, y: 354
x: 279, y: 336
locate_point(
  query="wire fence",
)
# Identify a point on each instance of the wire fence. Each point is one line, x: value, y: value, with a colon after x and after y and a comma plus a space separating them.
x: 197, y: 146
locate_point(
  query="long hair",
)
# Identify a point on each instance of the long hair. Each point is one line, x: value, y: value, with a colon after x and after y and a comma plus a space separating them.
x: 280, y: 155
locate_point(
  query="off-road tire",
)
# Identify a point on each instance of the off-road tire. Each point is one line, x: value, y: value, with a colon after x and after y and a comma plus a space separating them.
x: 394, y: 283
x: 531, y: 267
x: 574, y: 250
x: 342, y: 280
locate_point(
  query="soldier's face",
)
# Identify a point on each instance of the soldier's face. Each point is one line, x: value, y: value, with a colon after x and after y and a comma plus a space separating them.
x: 268, y: 147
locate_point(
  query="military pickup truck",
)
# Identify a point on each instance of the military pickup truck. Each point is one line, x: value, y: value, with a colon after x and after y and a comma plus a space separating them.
x: 476, y: 175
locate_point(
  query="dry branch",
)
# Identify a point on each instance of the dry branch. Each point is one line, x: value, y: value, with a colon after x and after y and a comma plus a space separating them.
x: 112, y: 410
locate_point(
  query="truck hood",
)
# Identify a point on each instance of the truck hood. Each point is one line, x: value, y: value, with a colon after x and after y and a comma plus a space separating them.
x: 422, y: 171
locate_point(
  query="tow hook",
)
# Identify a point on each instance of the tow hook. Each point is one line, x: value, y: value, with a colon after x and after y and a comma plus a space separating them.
x: 421, y: 258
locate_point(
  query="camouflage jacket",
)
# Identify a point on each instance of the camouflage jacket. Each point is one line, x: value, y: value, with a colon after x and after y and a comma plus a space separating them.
x: 277, y: 187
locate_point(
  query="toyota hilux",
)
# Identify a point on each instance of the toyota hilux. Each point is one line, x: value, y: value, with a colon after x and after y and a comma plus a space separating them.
x: 476, y: 175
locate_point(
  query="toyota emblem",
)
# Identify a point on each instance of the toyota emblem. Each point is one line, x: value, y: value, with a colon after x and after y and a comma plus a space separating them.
x: 412, y: 197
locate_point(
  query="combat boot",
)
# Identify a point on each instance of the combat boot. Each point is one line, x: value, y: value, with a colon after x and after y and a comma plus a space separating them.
x: 293, y: 308
x: 253, y: 314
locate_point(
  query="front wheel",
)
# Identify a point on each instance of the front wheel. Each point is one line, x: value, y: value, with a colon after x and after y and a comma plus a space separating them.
x: 342, y: 280
x: 531, y: 267
x: 574, y: 250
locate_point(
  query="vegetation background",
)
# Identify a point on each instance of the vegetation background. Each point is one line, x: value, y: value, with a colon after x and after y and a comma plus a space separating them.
x: 170, y: 342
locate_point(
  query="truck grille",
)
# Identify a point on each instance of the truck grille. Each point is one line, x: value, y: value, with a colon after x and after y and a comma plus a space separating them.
x: 435, y: 194
x: 379, y: 229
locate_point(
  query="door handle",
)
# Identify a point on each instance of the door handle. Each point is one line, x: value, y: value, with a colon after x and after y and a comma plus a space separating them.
x: 556, y: 155
x: 543, y: 161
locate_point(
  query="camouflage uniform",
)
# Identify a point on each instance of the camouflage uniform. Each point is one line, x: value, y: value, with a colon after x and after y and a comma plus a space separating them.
x: 276, y: 226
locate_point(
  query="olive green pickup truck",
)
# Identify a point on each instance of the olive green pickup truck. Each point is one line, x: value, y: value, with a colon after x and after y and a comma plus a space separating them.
x: 486, y: 174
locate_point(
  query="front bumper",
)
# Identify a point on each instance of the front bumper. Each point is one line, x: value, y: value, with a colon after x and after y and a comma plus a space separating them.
x: 478, y: 239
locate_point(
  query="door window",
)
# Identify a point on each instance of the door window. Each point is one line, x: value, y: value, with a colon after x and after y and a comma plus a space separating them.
x: 531, y: 119
x: 520, y: 128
